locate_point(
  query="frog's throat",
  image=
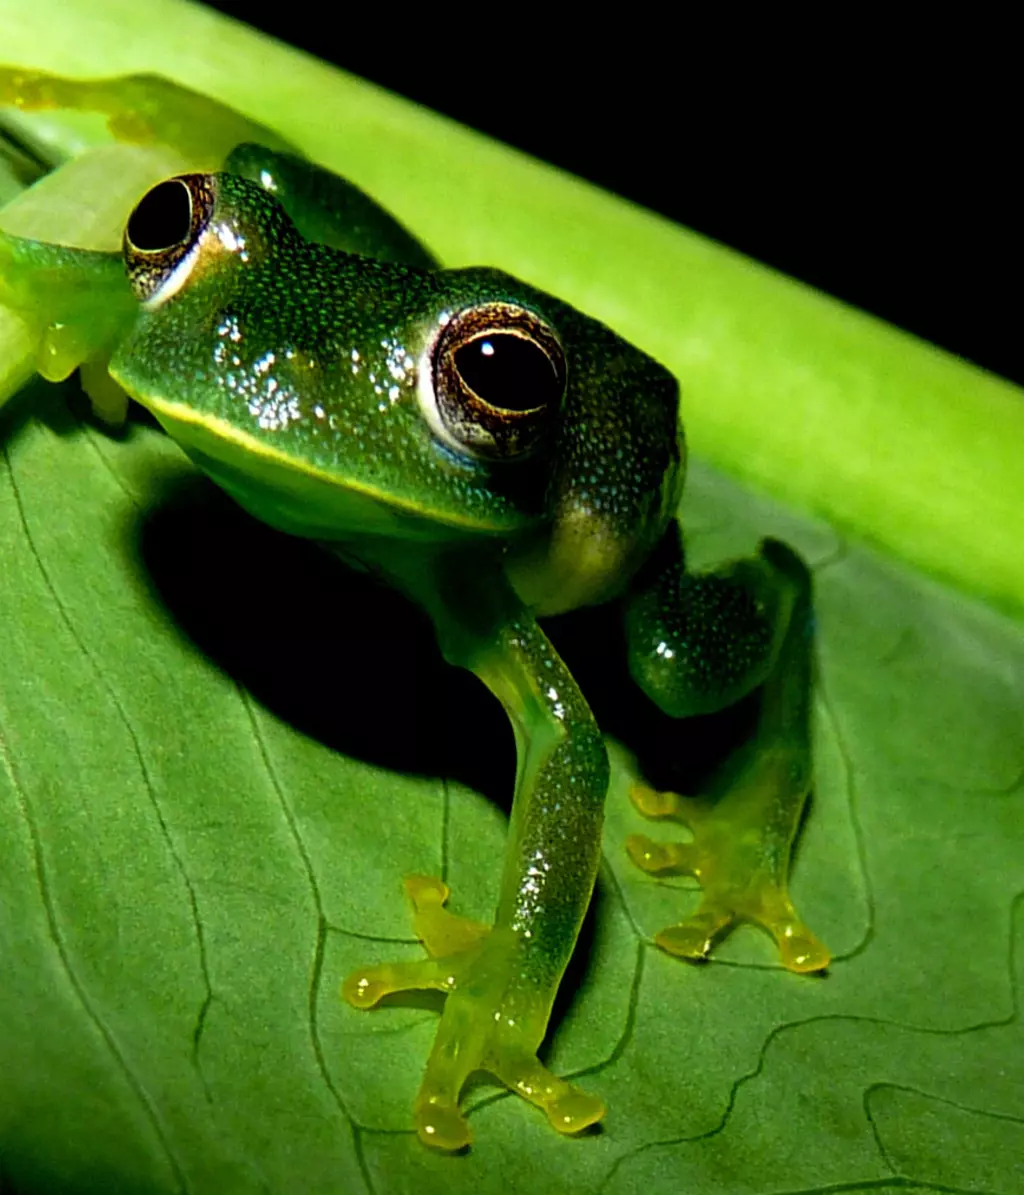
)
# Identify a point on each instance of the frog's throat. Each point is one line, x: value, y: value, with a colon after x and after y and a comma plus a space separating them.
x: 294, y: 496
x: 586, y: 560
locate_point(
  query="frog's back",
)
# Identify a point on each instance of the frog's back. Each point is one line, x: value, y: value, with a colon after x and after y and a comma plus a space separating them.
x: 327, y: 209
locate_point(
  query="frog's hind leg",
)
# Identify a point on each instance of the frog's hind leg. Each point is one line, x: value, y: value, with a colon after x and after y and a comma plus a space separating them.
x: 500, y: 980
x: 744, y: 828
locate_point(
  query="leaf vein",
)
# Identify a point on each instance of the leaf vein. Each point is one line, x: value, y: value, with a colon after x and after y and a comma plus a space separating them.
x: 365, y: 937
x: 629, y: 1023
x: 115, y: 475
x: 908, y: 1089
x: 76, y: 984
x: 140, y: 759
x: 853, y: 805
x: 755, y: 1072
x: 317, y: 968
x: 145, y: 1099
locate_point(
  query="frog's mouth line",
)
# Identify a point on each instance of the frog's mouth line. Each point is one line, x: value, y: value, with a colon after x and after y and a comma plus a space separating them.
x: 300, y: 488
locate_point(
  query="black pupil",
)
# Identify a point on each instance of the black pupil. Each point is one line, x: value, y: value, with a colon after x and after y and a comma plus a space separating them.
x: 163, y: 217
x: 508, y: 372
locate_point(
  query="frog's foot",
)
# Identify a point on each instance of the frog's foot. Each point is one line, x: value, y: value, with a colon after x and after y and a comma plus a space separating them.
x: 492, y: 1021
x: 142, y: 109
x: 741, y: 867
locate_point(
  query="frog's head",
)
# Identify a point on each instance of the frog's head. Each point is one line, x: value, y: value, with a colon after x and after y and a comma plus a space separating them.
x: 337, y: 395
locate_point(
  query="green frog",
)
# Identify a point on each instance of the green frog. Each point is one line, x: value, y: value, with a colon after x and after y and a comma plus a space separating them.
x: 497, y: 456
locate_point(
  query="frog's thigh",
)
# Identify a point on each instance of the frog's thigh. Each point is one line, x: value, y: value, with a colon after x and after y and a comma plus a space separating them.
x: 698, y: 642
x: 757, y: 618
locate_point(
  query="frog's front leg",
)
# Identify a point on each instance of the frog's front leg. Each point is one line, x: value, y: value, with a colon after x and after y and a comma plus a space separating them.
x: 75, y: 300
x: 501, y: 981
x: 698, y: 643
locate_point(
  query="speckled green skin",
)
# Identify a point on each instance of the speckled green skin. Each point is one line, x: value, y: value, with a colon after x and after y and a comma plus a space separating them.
x: 316, y: 351
x: 286, y: 366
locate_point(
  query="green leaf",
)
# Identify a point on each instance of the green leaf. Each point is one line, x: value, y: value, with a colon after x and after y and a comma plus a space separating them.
x: 195, y: 853
x: 219, y: 754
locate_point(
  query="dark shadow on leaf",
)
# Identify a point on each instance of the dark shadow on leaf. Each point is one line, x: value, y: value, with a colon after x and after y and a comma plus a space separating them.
x: 38, y: 1176
x: 421, y: 1000
x: 62, y: 408
x: 349, y: 662
x: 35, y: 399
x: 344, y: 659
x: 334, y: 653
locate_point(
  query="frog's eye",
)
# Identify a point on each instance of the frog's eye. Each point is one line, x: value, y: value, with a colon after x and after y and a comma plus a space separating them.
x: 495, y: 381
x: 161, y: 238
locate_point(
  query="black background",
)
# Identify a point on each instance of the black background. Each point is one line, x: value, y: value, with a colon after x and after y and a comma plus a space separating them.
x: 880, y: 174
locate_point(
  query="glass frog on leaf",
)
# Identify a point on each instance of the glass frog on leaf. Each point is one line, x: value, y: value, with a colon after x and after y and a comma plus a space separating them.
x: 498, y: 457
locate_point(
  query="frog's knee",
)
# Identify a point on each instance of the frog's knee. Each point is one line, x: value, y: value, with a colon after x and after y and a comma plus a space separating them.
x: 786, y: 562
x: 698, y: 644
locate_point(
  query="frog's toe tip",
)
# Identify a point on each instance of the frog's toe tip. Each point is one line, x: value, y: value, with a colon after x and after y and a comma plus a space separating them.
x: 803, y: 953
x: 575, y: 1111
x: 648, y: 855
x: 362, y: 990
x: 426, y: 892
x: 442, y: 1126
x: 652, y: 803
x: 684, y: 941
